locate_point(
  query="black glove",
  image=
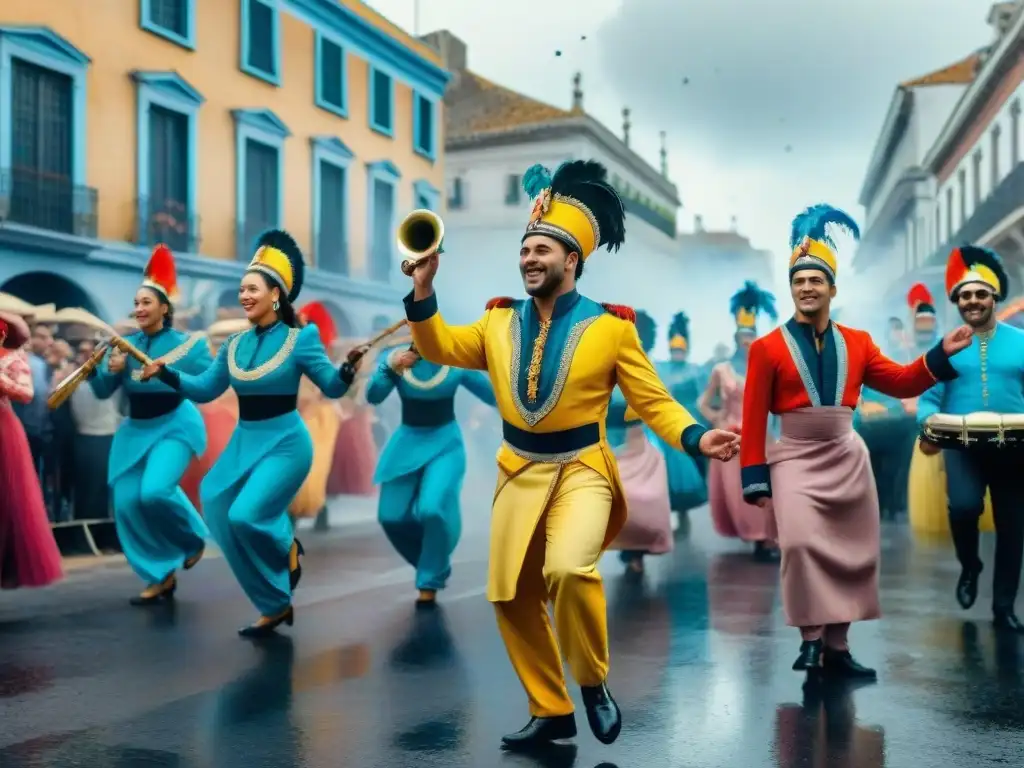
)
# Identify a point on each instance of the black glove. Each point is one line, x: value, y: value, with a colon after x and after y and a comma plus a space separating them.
x: 347, y: 372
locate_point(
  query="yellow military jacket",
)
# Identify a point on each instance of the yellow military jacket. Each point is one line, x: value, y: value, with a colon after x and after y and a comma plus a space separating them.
x: 591, y: 348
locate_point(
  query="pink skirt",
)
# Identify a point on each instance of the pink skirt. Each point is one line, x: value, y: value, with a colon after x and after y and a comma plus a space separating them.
x: 826, y: 510
x: 731, y: 516
x: 28, y: 553
x: 644, y: 476
x: 355, y: 457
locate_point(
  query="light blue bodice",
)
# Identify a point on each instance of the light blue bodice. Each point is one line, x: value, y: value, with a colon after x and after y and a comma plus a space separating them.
x: 187, y: 353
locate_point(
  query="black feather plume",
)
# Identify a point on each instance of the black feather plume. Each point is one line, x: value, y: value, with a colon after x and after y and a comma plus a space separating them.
x: 646, y: 329
x: 975, y: 254
x: 282, y: 241
x: 680, y: 326
x: 587, y: 181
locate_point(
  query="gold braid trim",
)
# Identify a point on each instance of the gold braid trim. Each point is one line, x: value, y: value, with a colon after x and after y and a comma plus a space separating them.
x: 533, y: 372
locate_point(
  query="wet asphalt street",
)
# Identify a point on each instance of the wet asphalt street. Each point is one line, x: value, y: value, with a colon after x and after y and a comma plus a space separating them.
x: 700, y: 666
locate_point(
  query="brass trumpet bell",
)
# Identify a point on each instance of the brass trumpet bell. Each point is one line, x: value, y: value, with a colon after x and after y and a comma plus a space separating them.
x: 419, y: 236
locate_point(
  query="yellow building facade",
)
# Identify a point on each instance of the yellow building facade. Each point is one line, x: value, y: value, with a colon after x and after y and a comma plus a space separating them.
x: 202, y: 123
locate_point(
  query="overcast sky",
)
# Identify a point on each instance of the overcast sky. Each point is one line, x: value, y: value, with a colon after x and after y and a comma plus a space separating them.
x: 816, y: 76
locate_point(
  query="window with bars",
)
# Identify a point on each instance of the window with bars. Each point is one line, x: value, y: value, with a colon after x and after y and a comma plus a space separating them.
x: 261, y: 37
x: 513, y: 189
x: 262, y: 185
x: 170, y: 15
x: 381, y: 91
x: 331, y: 76
x: 332, y: 245
x: 167, y: 215
x: 381, y: 229
x: 424, y: 126
x: 42, y: 190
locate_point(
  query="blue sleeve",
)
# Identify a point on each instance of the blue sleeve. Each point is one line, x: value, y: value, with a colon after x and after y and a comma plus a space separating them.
x: 477, y: 383
x: 930, y: 402
x: 104, y: 383
x: 198, y: 358
x: 381, y: 384
x: 202, y: 387
x: 691, y: 439
x: 313, y: 361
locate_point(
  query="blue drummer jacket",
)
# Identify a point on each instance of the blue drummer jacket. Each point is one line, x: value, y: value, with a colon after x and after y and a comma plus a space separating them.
x: 990, y: 377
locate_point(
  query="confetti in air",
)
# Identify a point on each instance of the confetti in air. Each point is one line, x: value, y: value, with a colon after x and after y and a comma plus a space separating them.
x: 558, y: 53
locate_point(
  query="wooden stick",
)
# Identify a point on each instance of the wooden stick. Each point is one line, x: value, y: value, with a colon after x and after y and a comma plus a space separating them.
x: 357, y: 353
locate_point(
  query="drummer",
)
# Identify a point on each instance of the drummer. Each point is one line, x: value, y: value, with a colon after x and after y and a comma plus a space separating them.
x: 989, y: 380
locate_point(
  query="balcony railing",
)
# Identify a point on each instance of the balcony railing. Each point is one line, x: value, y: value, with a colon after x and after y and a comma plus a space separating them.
x: 653, y: 216
x: 49, y: 201
x: 1006, y: 198
x: 168, y: 222
x: 331, y: 252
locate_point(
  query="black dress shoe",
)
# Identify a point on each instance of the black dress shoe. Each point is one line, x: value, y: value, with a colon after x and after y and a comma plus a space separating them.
x: 294, y: 564
x: 264, y: 628
x: 810, y: 656
x: 1007, y: 621
x: 967, y: 587
x: 765, y: 554
x: 840, y: 664
x: 540, y: 731
x: 602, y: 712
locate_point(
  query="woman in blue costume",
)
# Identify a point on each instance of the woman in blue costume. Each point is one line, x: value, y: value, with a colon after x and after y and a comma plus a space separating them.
x: 246, y: 493
x: 159, y: 529
x: 685, y: 381
x: 421, y: 468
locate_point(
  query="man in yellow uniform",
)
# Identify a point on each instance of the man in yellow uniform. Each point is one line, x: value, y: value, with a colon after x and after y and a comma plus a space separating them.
x: 553, y: 360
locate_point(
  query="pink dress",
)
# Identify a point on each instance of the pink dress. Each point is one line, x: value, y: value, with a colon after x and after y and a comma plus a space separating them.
x: 28, y: 553
x: 644, y: 475
x: 730, y: 514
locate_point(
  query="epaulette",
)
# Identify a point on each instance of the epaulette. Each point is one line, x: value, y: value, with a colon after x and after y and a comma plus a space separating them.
x: 621, y: 311
x: 500, y: 302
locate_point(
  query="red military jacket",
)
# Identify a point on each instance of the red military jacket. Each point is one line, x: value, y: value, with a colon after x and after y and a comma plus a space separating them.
x: 786, y: 371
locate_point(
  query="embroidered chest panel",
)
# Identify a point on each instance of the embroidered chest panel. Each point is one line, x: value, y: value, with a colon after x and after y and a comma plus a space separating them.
x: 814, y: 367
x: 176, y: 355
x: 264, y: 369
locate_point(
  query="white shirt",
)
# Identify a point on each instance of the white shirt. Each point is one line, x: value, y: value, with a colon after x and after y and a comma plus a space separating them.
x: 92, y: 416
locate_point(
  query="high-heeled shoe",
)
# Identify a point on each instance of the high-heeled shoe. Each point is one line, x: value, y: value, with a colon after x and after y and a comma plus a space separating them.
x: 266, y: 626
x: 191, y: 562
x: 157, y: 593
x: 294, y: 564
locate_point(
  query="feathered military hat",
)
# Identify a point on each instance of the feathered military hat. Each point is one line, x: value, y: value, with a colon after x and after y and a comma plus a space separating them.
x: 974, y: 264
x: 577, y: 206
x: 750, y: 301
x: 679, y: 332
x: 161, y: 273
x: 278, y: 257
x: 812, y: 243
x: 646, y: 329
x: 317, y: 314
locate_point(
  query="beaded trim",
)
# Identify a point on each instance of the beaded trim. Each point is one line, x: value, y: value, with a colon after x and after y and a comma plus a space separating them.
x: 805, y: 371
x: 174, y: 355
x: 430, y: 383
x: 755, y: 488
x: 542, y: 227
x: 539, y: 225
x: 532, y: 418
x: 237, y: 372
x: 547, y: 458
x: 536, y: 358
x: 812, y: 262
x: 273, y: 274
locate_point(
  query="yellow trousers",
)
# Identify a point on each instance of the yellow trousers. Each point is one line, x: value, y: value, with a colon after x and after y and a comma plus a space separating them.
x: 561, y: 566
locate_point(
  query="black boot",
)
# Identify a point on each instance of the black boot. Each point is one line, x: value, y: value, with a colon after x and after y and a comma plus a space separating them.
x: 1007, y: 621
x: 766, y: 554
x: 840, y: 664
x: 602, y: 712
x: 965, y: 541
x: 540, y: 731
x: 810, y: 656
x: 1006, y: 568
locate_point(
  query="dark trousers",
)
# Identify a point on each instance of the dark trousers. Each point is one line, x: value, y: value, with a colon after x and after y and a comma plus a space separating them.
x: 968, y: 474
x: 91, y: 462
x: 890, y: 443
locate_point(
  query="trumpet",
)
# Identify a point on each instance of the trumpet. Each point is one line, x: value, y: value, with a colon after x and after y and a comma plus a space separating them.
x: 67, y: 387
x: 419, y: 237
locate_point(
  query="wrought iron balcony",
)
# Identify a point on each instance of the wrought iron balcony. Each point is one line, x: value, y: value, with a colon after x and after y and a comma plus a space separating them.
x: 653, y: 216
x: 49, y: 201
x: 168, y: 222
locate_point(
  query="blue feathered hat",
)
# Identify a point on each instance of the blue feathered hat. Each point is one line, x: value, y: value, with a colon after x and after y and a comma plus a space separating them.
x: 750, y: 301
x: 646, y: 329
x: 679, y: 332
x: 811, y: 240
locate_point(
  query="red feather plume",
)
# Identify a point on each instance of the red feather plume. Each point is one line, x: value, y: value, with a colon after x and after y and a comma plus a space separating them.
x: 317, y: 314
x: 162, y: 270
x: 919, y: 294
x: 956, y: 268
x: 501, y: 302
x: 621, y: 311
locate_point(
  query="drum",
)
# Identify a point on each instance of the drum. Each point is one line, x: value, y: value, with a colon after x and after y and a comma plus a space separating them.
x: 974, y: 430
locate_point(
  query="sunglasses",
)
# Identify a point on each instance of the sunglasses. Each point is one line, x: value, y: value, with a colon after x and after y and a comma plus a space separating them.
x: 981, y: 294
